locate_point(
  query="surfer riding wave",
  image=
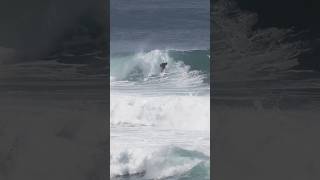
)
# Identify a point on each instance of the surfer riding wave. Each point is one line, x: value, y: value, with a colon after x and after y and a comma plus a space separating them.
x: 163, y: 66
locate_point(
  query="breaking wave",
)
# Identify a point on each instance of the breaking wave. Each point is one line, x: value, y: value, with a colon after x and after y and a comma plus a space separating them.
x: 156, y: 117
x: 186, y: 72
x: 166, y: 163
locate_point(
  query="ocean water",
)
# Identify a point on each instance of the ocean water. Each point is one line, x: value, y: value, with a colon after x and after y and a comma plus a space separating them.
x: 160, y: 121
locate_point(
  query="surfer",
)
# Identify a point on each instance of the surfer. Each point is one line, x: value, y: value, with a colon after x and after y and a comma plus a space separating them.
x: 163, y: 66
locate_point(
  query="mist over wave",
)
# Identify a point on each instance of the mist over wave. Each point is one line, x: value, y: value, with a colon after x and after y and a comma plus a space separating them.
x: 256, y: 66
x: 259, y: 90
x: 245, y: 52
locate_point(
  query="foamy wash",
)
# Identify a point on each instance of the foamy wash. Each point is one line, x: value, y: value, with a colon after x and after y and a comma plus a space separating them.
x: 160, y: 121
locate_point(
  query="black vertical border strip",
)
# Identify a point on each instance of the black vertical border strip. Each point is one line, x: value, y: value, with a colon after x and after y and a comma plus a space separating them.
x: 211, y: 92
x: 107, y: 49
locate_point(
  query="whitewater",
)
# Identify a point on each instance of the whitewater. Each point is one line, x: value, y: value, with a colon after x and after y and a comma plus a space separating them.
x: 160, y: 121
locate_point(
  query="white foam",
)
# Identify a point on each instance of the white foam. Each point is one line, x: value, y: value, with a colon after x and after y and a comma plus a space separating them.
x: 164, y: 162
x: 174, y: 112
x: 159, y: 122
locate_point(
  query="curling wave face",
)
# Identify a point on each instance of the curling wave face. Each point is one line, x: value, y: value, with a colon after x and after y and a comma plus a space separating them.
x: 186, y: 72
